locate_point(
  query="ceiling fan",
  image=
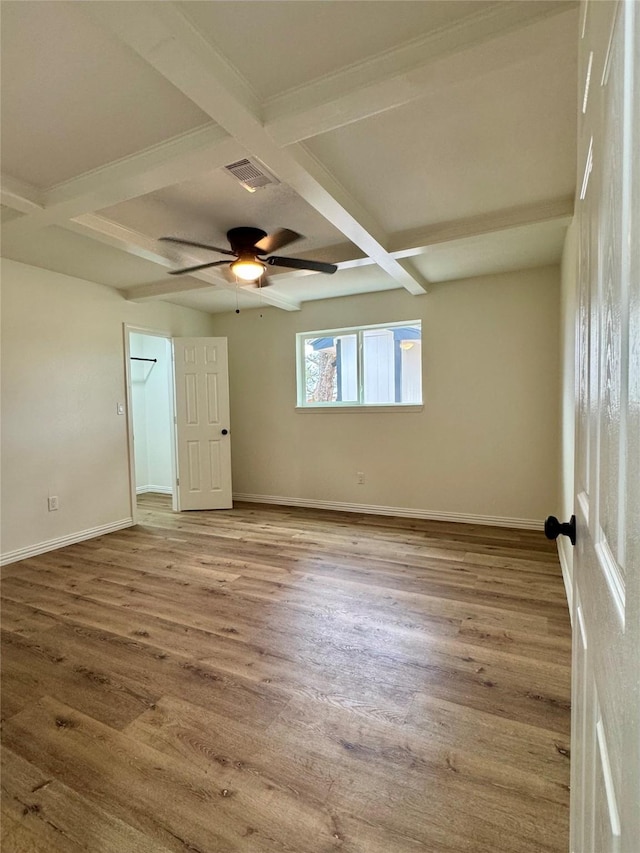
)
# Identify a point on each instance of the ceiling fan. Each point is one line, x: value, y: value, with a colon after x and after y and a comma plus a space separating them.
x: 249, y: 246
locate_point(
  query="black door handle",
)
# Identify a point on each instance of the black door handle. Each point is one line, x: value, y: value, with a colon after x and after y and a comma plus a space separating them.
x: 553, y: 528
x: 225, y: 431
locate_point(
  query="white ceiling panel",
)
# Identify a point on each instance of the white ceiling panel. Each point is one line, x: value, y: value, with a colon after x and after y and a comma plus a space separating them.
x: 215, y: 301
x: 505, y: 251
x: 63, y: 251
x: 74, y: 98
x: 493, y: 142
x: 348, y: 282
x: 279, y: 45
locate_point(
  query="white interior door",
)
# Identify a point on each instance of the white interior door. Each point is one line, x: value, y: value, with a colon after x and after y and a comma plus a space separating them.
x: 605, y: 785
x: 202, y: 423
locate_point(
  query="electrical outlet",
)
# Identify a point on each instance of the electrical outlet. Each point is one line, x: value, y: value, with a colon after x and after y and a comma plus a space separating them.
x: 53, y: 503
x: 360, y: 478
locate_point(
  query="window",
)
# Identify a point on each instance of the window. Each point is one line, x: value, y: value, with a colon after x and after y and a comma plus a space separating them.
x: 364, y: 366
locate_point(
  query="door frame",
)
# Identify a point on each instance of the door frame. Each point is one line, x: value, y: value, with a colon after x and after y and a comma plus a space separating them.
x: 127, y: 330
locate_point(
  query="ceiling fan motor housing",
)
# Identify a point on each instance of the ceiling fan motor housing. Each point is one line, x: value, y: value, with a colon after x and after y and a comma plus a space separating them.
x: 243, y: 240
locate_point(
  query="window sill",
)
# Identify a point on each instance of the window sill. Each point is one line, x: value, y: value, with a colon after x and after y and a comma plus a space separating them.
x: 350, y: 410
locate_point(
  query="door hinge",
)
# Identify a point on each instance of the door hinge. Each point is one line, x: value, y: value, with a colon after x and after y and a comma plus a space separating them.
x: 177, y: 481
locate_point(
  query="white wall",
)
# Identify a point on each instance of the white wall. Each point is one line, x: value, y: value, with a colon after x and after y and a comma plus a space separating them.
x: 139, y: 373
x: 486, y: 443
x: 152, y: 413
x: 63, y: 374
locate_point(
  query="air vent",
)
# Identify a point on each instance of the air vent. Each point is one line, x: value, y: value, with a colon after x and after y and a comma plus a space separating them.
x: 250, y: 176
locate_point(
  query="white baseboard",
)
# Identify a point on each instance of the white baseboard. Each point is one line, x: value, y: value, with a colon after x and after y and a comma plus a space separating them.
x: 566, y: 563
x: 62, y: 541
x: 160, y: 490
x: 404, y: 512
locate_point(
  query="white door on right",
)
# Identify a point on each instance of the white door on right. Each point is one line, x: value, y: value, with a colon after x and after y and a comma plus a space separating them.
x: 605, y: 782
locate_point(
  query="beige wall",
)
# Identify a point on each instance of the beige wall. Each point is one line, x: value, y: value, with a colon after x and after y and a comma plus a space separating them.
x: 487, y: 441
x: 62, y: 377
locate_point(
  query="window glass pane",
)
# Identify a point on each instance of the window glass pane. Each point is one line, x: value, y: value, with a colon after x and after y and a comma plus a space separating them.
x: 392, y: 364
x: 411, y: 366
x: 331, y: 369
x: 376, y: 365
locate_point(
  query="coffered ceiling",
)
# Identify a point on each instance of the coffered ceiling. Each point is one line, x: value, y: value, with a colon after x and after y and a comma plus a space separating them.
x: 412, y: 142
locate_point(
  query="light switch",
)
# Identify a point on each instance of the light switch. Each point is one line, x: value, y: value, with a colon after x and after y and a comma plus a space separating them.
x: 120, y: 408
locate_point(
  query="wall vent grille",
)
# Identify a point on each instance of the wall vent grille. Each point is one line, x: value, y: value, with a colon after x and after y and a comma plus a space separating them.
x: 251, y: 177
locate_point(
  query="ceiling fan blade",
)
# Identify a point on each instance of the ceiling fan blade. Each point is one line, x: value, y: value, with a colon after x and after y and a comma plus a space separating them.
x: 181, y: 242
x: 300, y: 264
x: 273, y: 242
x: 198, y: 267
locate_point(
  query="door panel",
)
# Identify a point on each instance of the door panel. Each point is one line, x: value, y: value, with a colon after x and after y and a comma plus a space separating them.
x: 202, y: 413
x: 606, y: 650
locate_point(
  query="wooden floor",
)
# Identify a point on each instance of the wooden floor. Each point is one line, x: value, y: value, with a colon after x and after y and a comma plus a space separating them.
x: 274, y: 679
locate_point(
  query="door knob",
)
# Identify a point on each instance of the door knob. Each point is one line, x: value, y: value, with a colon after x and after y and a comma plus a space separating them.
x: 553, y: 528
x: 225, y: 431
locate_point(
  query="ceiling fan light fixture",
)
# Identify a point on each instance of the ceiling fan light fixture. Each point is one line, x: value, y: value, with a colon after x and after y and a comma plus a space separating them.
x: 247, y: 268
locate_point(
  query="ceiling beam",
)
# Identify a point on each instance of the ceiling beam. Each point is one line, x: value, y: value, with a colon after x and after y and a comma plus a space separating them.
x: 174, y: 287
x: 165, y: 38
x: 120, y: 237
x: 161, y: 289
x: 447, y: 57
x: 116, y: 235
x: 169, y: 162
x: 405, y: 244
x: 19, y: 195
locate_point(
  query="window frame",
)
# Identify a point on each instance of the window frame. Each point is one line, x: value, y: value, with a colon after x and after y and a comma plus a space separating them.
x: 350, y: 405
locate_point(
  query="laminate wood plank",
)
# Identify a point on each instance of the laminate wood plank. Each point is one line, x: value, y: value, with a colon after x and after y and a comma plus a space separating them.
x: 304, y: 519
x: 189, y: 556
x: 91, y: 685
x: 521, y: 643
x: 23, y: 619
x: 343, y: 657
x: 160, y: 562
x: 30, y: 836
x: 515, y: 561
x: 345, y: 542
x: 532, y: 749
x: 136, y: 665
x: 226, y: 651
x: 354, y: 683
x: 399, y: 605
x: 20, y: 688
x: 475, y: 676
x: 165, y: 797
x: 482, y: 678
x: 199, y: 736
x: 61, y: 818
x: 462, y: 588
x: 185, y: 733
x: 526, y: 690
x: 380, y: 769
x: 221, y: 611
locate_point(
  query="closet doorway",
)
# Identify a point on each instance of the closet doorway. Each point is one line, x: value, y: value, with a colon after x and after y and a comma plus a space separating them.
x: 151, y: 414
